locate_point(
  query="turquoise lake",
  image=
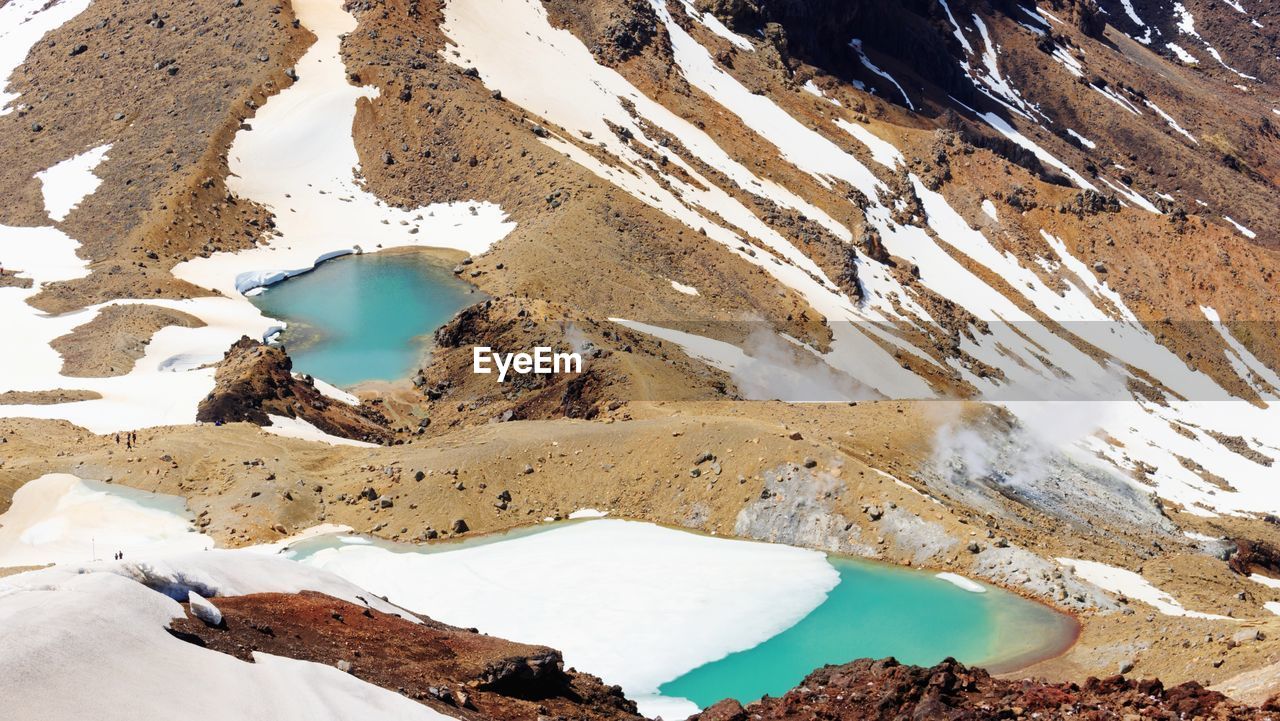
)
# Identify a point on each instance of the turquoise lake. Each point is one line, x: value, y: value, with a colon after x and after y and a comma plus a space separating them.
x: 365, y: 317
x: 876, y: 610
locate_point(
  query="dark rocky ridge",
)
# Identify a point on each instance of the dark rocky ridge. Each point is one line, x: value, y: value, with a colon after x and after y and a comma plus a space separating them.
x: 867, y: 690
x: 255, y: 380
x: 460, y: 672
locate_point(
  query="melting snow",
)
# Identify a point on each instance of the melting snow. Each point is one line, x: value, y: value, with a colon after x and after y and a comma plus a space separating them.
x: 882, y: 152
x: 962, y: 582
x: 989, y: 208
x: 686, y: 289
x: 298, y: 161
x: 635, y: 603
x: 71, y: 181
x: 1182, y: 54
x: 1172, y: 123
x: 1083, y: 140
x: 1132, y: 585
x: 1243, y: 230
x: 59, y: 518
x: 299, y: 428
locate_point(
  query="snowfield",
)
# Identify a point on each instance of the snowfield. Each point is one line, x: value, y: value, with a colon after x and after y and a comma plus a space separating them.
x: 89, y: 633
x: 59, y: 518
x: 634, y: 603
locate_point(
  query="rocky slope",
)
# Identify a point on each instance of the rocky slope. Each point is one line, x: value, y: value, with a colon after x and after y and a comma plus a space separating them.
x: 884, y: 690
x: 255, y: 381
x: 463, y: 673
x: 725, y: 201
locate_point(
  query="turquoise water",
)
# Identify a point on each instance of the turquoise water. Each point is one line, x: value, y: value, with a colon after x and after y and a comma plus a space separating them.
x: 878, y: 611
x: 365, y: 317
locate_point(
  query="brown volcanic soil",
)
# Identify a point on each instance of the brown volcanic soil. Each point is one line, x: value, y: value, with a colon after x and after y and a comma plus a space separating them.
x: 11, y: 279
x: 46, y: 397
x: 618, y: 365
x: 109, y: 344
x: 460, y: 672
x: 579, y: 241
x: 868, y: 690
x: 163, y: 198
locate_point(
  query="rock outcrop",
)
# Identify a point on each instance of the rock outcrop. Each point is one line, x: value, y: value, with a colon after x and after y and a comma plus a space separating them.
x: 255, y: 381
x: 867, y: 690
x: 460, y: 672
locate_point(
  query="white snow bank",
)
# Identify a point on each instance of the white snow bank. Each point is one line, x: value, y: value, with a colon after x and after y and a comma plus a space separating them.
x: 300, y: 160
x: 214, y: 573
x: 1243, y: 230
x: 94, y: 645
x: 882, y: 151
x: 635, y: 603
x: 1132, y: 585
x: 962, y: 582
x: 1082, y: 139
x: 22, y: 24
x: 335, y: 392
x: 71, y: 181
x: 713, y: 24
x: 1265, y: 580
x: 59, y: 518
x: 587, y: 513
x: 989, y: 208
x: 856, y: 44
x: 682, y: 288
x: 299, y: 428
x: 1182, y: 54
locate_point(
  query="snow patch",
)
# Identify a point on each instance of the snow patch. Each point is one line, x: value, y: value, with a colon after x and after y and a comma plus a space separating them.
x: 686, y: 289
x: 587, y: 513
x: 301, y: 429
x: 1243, y: 230
x: 989, y: 208
x: 66, y: 184
x: 962, y: 582
x: 59, y: 518
x: 1132, y: 585
x: 856, y: 44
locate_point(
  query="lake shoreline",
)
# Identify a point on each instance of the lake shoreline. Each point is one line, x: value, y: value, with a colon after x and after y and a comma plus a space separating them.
x: 1063, y: 633
x: 369, y: 320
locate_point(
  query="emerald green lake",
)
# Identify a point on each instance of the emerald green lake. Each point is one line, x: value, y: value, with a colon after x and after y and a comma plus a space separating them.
x: 874, y: 610
x: 365, y: 317
x: 878, y: 611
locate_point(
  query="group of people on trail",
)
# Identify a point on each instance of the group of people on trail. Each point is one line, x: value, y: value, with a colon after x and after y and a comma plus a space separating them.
x: 119, y: 555
x: 130, y: 439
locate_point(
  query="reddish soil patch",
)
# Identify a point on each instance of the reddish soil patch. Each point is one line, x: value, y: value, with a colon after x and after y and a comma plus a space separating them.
x: 457, y: 671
